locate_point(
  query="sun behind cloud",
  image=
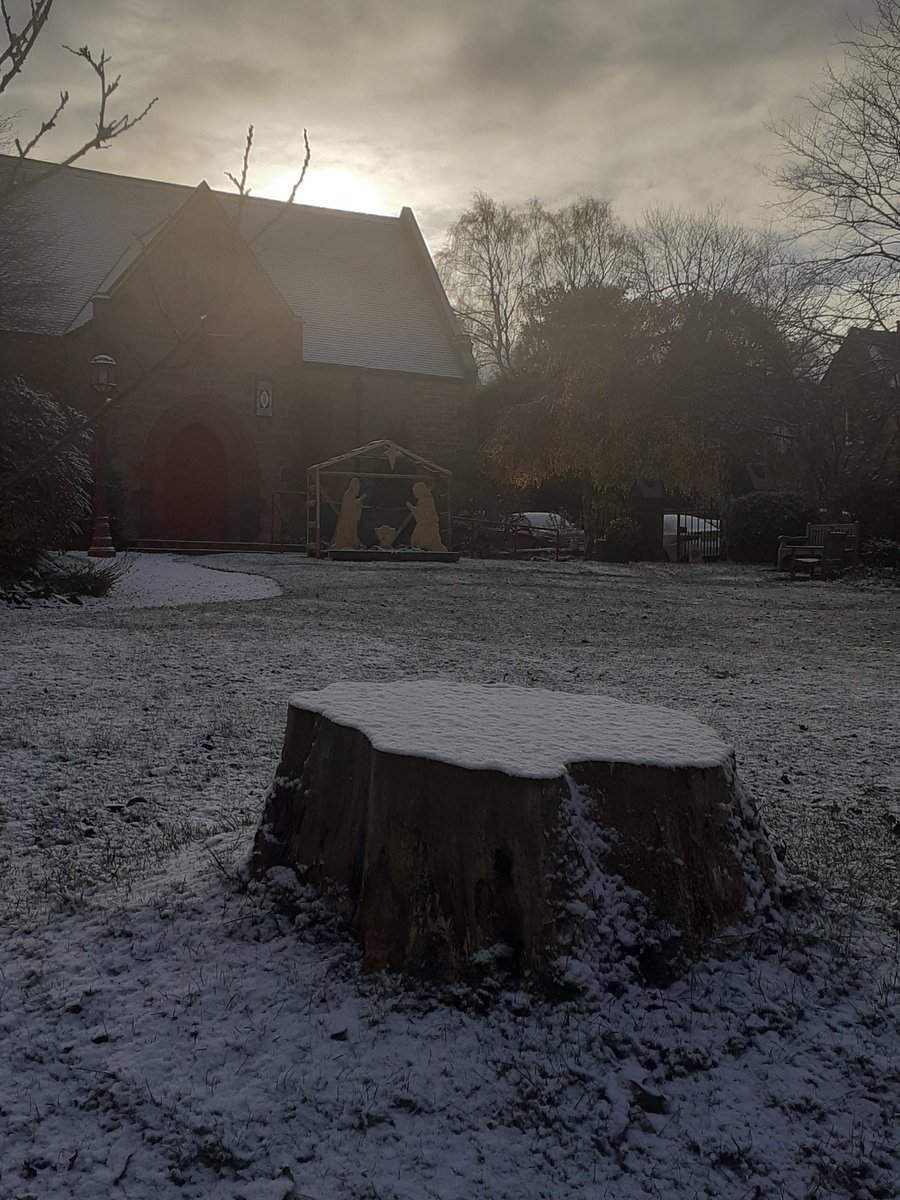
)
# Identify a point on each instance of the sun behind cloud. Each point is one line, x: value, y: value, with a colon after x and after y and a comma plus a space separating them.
x: 331, y: 187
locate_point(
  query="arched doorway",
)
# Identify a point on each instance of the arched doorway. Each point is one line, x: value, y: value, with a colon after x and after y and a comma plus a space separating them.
x: 195, y: 488
x: 200, y: 475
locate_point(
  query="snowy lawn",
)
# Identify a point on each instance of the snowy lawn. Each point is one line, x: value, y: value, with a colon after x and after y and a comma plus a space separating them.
x: 170, y: 1034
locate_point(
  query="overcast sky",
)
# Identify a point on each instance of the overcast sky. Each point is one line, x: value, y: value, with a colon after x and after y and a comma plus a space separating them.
x: 420, y: 103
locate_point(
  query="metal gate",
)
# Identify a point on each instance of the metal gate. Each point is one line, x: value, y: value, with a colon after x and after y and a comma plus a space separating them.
x: 693, y: 534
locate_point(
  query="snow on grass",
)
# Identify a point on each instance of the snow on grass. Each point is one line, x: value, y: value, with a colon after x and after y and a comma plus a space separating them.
x: 520, y: 731
x: 207, y: 1044
x: 169, y: 1034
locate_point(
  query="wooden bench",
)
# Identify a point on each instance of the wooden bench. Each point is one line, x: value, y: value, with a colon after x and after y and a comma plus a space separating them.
x: 825, y: 548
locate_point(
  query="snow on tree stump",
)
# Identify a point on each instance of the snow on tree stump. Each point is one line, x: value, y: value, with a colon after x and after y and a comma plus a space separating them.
x: 456, y: 819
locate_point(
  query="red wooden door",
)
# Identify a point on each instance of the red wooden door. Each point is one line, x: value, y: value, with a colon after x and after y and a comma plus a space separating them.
x: 195, y: 487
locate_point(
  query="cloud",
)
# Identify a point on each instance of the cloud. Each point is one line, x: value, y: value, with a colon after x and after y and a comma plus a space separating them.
x: 641, y: 101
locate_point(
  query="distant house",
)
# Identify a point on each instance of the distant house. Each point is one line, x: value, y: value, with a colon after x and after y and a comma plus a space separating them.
x: 252, y: 339
x: 863, y: 378
x: 865, y: 370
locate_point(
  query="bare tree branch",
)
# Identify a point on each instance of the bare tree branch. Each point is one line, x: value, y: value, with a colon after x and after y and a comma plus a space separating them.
x: 20, y: 41
x: 307, y: 156
x: 241, y: 184
x: 840, y: 170
x: 46, y: 125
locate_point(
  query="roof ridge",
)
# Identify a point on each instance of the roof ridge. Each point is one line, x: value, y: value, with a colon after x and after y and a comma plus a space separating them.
x: 299, y: 204
x: 35, y: 163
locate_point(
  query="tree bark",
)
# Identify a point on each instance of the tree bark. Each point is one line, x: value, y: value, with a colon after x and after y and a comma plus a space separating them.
x: 435, y: 862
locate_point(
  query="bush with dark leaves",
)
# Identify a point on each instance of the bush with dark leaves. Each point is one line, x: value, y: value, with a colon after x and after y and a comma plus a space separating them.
x: 882, y: 554
x: 623, y: 540
x: 63, y: 579
x: 755, y: 522
x: 44, y: 475
x: 875, y: 503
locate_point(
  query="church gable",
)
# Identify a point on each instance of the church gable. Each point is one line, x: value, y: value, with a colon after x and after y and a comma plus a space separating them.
x: 195, y: 270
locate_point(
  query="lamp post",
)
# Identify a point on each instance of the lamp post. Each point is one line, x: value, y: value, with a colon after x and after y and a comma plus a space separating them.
x: 103, y: 381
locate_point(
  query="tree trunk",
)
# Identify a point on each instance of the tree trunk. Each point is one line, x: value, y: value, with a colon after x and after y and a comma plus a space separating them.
x: 437, y: 861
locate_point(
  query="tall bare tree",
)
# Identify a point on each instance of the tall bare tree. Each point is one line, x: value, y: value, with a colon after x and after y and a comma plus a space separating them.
x: 580, y: 245
x: 486, y: 266
x: 501, y: 261
x: 684, y: 255
x: 841, y: 169
x: 22, y: 26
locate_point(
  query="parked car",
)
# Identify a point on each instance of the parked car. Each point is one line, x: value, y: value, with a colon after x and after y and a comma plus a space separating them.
x: 544, y: 530
x: 686, y: 537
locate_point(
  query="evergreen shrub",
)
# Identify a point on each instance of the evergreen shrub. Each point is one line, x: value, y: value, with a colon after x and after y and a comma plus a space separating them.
x: 623, y: 540
x: 755, y: 522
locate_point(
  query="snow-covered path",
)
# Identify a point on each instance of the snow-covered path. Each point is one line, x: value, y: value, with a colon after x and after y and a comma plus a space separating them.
x: 169, y: 1036
x: 169, y: 581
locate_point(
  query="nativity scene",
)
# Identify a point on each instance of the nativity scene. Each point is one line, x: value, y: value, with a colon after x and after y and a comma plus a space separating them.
x: 404, y: 512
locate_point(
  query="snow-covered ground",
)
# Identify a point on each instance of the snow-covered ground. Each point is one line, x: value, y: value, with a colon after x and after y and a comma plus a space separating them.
x: 169, y: 1034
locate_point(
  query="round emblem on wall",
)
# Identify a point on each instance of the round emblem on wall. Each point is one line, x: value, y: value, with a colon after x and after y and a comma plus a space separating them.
x: 264, y: 399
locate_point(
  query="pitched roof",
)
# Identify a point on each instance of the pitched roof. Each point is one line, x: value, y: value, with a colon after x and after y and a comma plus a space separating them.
x: 383, y: 448
x: 364, y: 285
x: 864, y: 355
x: 887, y: 340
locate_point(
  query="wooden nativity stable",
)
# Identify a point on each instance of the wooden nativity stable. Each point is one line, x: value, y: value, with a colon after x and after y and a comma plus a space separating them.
x: 366, y: 504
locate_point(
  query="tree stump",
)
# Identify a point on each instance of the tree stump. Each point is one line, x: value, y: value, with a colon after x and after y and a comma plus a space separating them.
x: 457, y: 819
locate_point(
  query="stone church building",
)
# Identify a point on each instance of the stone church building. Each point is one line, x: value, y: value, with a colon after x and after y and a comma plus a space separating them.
x: 252, y: 339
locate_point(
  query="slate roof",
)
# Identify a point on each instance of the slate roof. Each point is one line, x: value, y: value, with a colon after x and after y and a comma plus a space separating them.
x: 364, y: 285
x: 864, y: 355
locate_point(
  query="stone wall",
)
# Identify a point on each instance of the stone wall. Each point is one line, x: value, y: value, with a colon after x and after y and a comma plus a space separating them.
x: 317, y: 412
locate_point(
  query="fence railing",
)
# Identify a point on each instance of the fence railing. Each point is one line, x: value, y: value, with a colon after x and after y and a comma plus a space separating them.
x: 480, y: 537
x: 697, y: 535
x: 288, y: 516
